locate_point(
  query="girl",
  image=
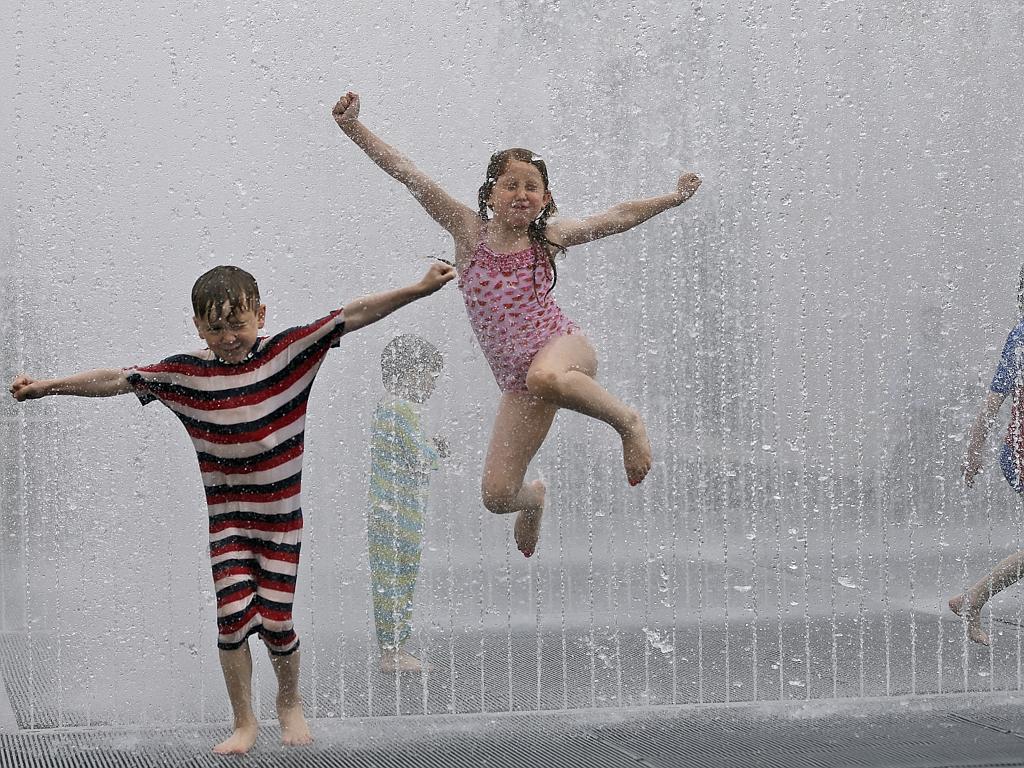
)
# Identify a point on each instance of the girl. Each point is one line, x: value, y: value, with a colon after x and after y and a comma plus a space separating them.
x: 504, y: 254
x: 1008, y: 380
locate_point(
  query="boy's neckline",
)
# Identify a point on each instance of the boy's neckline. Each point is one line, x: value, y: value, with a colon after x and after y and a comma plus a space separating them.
x: 249, y: 355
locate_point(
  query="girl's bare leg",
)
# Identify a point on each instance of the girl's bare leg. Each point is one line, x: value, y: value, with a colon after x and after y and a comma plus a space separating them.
x: 563, y: 373
x: 520, y: 426
x: 969, y: 604
x: 237, y: 668
x: 294, y: 730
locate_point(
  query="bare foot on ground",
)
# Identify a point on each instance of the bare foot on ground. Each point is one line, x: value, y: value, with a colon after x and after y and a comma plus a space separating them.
x: 399, y: 661
x: 636, y: 451
x: 239, y: 742
x: 527, y: 527
x: 974, y: 630
x: 294, y: 730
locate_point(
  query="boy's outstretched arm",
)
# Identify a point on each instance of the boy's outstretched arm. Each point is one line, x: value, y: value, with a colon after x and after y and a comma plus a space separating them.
x: 620, y: 217
x: 369, y: 309
x: 977, y: 434
x: 442, y: 207
x: 101, y: 382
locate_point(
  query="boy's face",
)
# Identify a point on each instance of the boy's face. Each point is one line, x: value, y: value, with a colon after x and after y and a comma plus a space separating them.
x: 232, y: 335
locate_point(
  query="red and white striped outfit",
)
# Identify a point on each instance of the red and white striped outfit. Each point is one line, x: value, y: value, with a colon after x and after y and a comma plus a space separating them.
x: 247, y: 422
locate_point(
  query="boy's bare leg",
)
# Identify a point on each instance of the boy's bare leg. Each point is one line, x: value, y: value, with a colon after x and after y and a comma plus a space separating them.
x: 969, y: 604
x: 294, y: 729
x: 563, y: 374
x: 237, y: 668
x: 399, y: 660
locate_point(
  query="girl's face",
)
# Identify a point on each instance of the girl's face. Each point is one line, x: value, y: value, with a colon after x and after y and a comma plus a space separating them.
x: 518, y: 195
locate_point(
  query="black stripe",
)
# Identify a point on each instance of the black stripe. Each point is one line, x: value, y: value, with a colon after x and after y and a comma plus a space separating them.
x: 252, y: 489
x: 272, y: 546
x: 223, y: 621
x: 254, y: 569
x: 247, y: 426
x: 259, y: 602
x: 252, y: 517
x: 277, y: 578
x: 244, y: 641
x: 235, y: 646
x: 239, y: 587
x: 263, y: 602
x: 246, y: 461
x: 319, y: 348
x: 276, y: 634
x: 249, y: 563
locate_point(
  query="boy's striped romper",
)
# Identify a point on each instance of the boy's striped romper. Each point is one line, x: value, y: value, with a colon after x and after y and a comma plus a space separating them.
x: 247, y: 421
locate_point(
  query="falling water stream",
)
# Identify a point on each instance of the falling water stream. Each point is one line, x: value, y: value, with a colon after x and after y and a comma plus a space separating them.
x: 808, y: 339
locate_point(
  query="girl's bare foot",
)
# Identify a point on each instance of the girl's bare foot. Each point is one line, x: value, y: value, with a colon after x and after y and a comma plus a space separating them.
x: 239, y: 742
x: 294, y: 730
x: 527, y: 527
x: 974, y: 630
x: 399, y: 661
x: 636, y: 450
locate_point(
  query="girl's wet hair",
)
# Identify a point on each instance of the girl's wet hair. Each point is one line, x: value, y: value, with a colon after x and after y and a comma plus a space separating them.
x: 495, y: 168
x: 406, y: 353
x: 224, y: 285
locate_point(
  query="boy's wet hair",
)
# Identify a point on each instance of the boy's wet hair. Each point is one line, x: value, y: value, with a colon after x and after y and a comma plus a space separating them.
x: 406, y: 353
x: 495, y: 168
x: 224, y: 285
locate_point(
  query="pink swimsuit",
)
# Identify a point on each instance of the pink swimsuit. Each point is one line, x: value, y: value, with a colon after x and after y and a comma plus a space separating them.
x: 510, y: 311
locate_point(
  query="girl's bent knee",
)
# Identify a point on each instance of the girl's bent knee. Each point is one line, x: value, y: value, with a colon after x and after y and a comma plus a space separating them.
x: 543, y: 382
x: 497, y: 500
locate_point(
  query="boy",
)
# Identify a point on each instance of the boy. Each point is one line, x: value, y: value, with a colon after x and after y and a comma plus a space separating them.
x: 402, y: 457
x: 243, y: 402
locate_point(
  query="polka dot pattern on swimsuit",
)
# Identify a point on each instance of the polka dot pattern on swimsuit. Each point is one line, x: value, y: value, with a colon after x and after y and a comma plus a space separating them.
x: 511, y: 311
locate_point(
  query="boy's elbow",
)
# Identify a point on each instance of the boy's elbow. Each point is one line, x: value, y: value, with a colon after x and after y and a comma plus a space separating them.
x: 354, y: 320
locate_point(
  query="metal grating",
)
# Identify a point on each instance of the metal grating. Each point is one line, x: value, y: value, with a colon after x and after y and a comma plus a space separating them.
x: 493, y: 671
x: 946, y: 732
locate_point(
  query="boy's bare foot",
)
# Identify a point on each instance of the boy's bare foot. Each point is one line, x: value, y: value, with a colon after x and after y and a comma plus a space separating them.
x: 527, y: 527
x: 636, y: 450
x: 974, y: 630
x: 399, y: 661
x: 239, y: 742
x: 294, y: 730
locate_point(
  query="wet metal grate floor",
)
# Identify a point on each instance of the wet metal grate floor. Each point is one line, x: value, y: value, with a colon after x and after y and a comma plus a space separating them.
x: 941, y: 731
x: 526, y: 671
x: 650, y: 708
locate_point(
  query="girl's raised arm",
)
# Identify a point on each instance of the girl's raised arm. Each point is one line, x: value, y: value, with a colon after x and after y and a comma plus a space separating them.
x: 455, y: 217
x: 619, y: 218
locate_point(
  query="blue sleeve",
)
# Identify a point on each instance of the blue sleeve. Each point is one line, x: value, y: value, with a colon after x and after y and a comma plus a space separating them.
x: 1011, y: 363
